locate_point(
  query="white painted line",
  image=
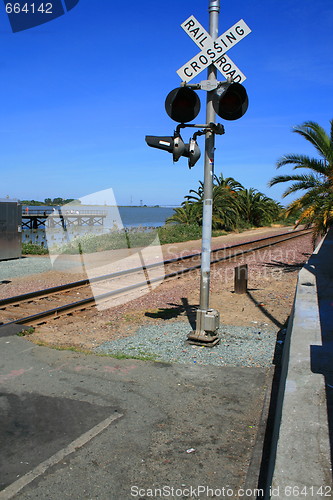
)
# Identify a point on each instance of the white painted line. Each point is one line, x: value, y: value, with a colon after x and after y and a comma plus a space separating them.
x: 18, y: 485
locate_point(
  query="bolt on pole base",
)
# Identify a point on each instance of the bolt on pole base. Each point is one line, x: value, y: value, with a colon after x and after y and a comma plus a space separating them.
x: 207, y: 323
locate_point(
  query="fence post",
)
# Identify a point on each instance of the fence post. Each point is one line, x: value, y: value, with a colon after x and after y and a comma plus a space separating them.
x: 241, y: 279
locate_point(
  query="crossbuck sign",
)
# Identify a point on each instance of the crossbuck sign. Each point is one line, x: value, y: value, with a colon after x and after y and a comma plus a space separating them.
x: 213, y: 51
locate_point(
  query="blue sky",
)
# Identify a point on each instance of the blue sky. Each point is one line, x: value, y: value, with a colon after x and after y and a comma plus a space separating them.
x: 80, y: 93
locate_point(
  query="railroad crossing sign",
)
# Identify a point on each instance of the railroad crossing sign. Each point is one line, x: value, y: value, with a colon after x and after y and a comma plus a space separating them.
x: 213, y: 50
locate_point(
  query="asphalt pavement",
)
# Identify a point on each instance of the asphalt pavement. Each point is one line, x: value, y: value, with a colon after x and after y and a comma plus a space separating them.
x: 94, y: 427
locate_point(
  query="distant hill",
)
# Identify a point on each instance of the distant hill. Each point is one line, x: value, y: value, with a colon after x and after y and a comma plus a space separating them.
x: 49, y: 202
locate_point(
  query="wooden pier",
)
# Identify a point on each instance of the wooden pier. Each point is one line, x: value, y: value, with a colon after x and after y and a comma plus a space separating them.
x: 39, y: 219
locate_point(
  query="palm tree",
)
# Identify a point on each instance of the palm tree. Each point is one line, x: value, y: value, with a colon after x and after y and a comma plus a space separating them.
x: 233, y: 205
x: 224, y: 213
x: 227, y: 182
x: 197, y: 195
x: 255, y: 208
x: 188, y: 213
x: 218, y: 183
x: 316, y: 204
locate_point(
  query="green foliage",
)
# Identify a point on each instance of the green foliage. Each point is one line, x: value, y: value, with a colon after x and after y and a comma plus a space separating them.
x: 61, y: 201
x: 142, y: 356
x: 33, y: 249
x: 49, y: 202
x: 189, y: 213
x: 90, y: 243
x: 234, y: 207
x: 286, y: 218
x: 26, y: 331
x: 32, y: 203
x: 174, y: 233
x: 136, y: 238
x: 257, y: 209
x: 315, y: 207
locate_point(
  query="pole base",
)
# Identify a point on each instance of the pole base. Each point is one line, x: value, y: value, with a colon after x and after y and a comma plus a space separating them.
x: 201, y: 338
x: 207, y: 324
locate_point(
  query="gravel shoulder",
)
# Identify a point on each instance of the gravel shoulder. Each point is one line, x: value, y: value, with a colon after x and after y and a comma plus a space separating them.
x: 156, y: 324
x: 188, y: 424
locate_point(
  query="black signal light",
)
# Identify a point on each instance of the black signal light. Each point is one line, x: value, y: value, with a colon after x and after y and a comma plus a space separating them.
x: 182, y: 104
x: 231, y: 102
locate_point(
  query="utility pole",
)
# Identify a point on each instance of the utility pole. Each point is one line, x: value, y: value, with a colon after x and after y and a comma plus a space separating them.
x: 226, y: 99
x: 207, y: 320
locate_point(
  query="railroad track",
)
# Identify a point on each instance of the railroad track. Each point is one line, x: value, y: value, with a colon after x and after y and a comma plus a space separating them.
x: 36, y: 308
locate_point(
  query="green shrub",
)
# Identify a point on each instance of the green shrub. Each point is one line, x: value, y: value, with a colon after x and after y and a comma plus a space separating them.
x: 90, y: 243
x: 33, y: 249
x: 174, y: 233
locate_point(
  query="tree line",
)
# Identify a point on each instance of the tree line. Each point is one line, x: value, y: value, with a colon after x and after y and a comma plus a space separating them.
x: 235, y: 207
x: 49, y: 202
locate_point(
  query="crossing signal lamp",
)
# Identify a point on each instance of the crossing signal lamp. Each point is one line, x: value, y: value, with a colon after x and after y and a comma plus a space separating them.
x: 182, y: 104
x: 175, y: 145
x: 194, y: 153
x: 230, y: 102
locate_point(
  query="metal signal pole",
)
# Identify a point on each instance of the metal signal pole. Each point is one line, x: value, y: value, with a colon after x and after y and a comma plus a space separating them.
x: 207, y: 320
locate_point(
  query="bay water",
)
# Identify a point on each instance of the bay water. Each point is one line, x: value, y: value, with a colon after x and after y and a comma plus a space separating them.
x: 128, y: 217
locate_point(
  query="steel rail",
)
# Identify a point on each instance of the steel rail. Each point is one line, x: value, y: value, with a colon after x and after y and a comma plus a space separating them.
x: 77, y: 284
x: 78, y: 304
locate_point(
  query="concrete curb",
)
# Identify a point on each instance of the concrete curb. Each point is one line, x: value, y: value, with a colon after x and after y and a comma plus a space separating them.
x: 300, y: 461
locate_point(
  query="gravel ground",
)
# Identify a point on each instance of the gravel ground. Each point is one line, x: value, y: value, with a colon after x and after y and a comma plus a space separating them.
x: 156, y: 324
x: 34, y: 265
x: 25, y: 266
x: 239, y: 345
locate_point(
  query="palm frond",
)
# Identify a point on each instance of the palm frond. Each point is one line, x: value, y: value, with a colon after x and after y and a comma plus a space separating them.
x: 304, y: 161
x: 303, y: 181
x: 316, y: 135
